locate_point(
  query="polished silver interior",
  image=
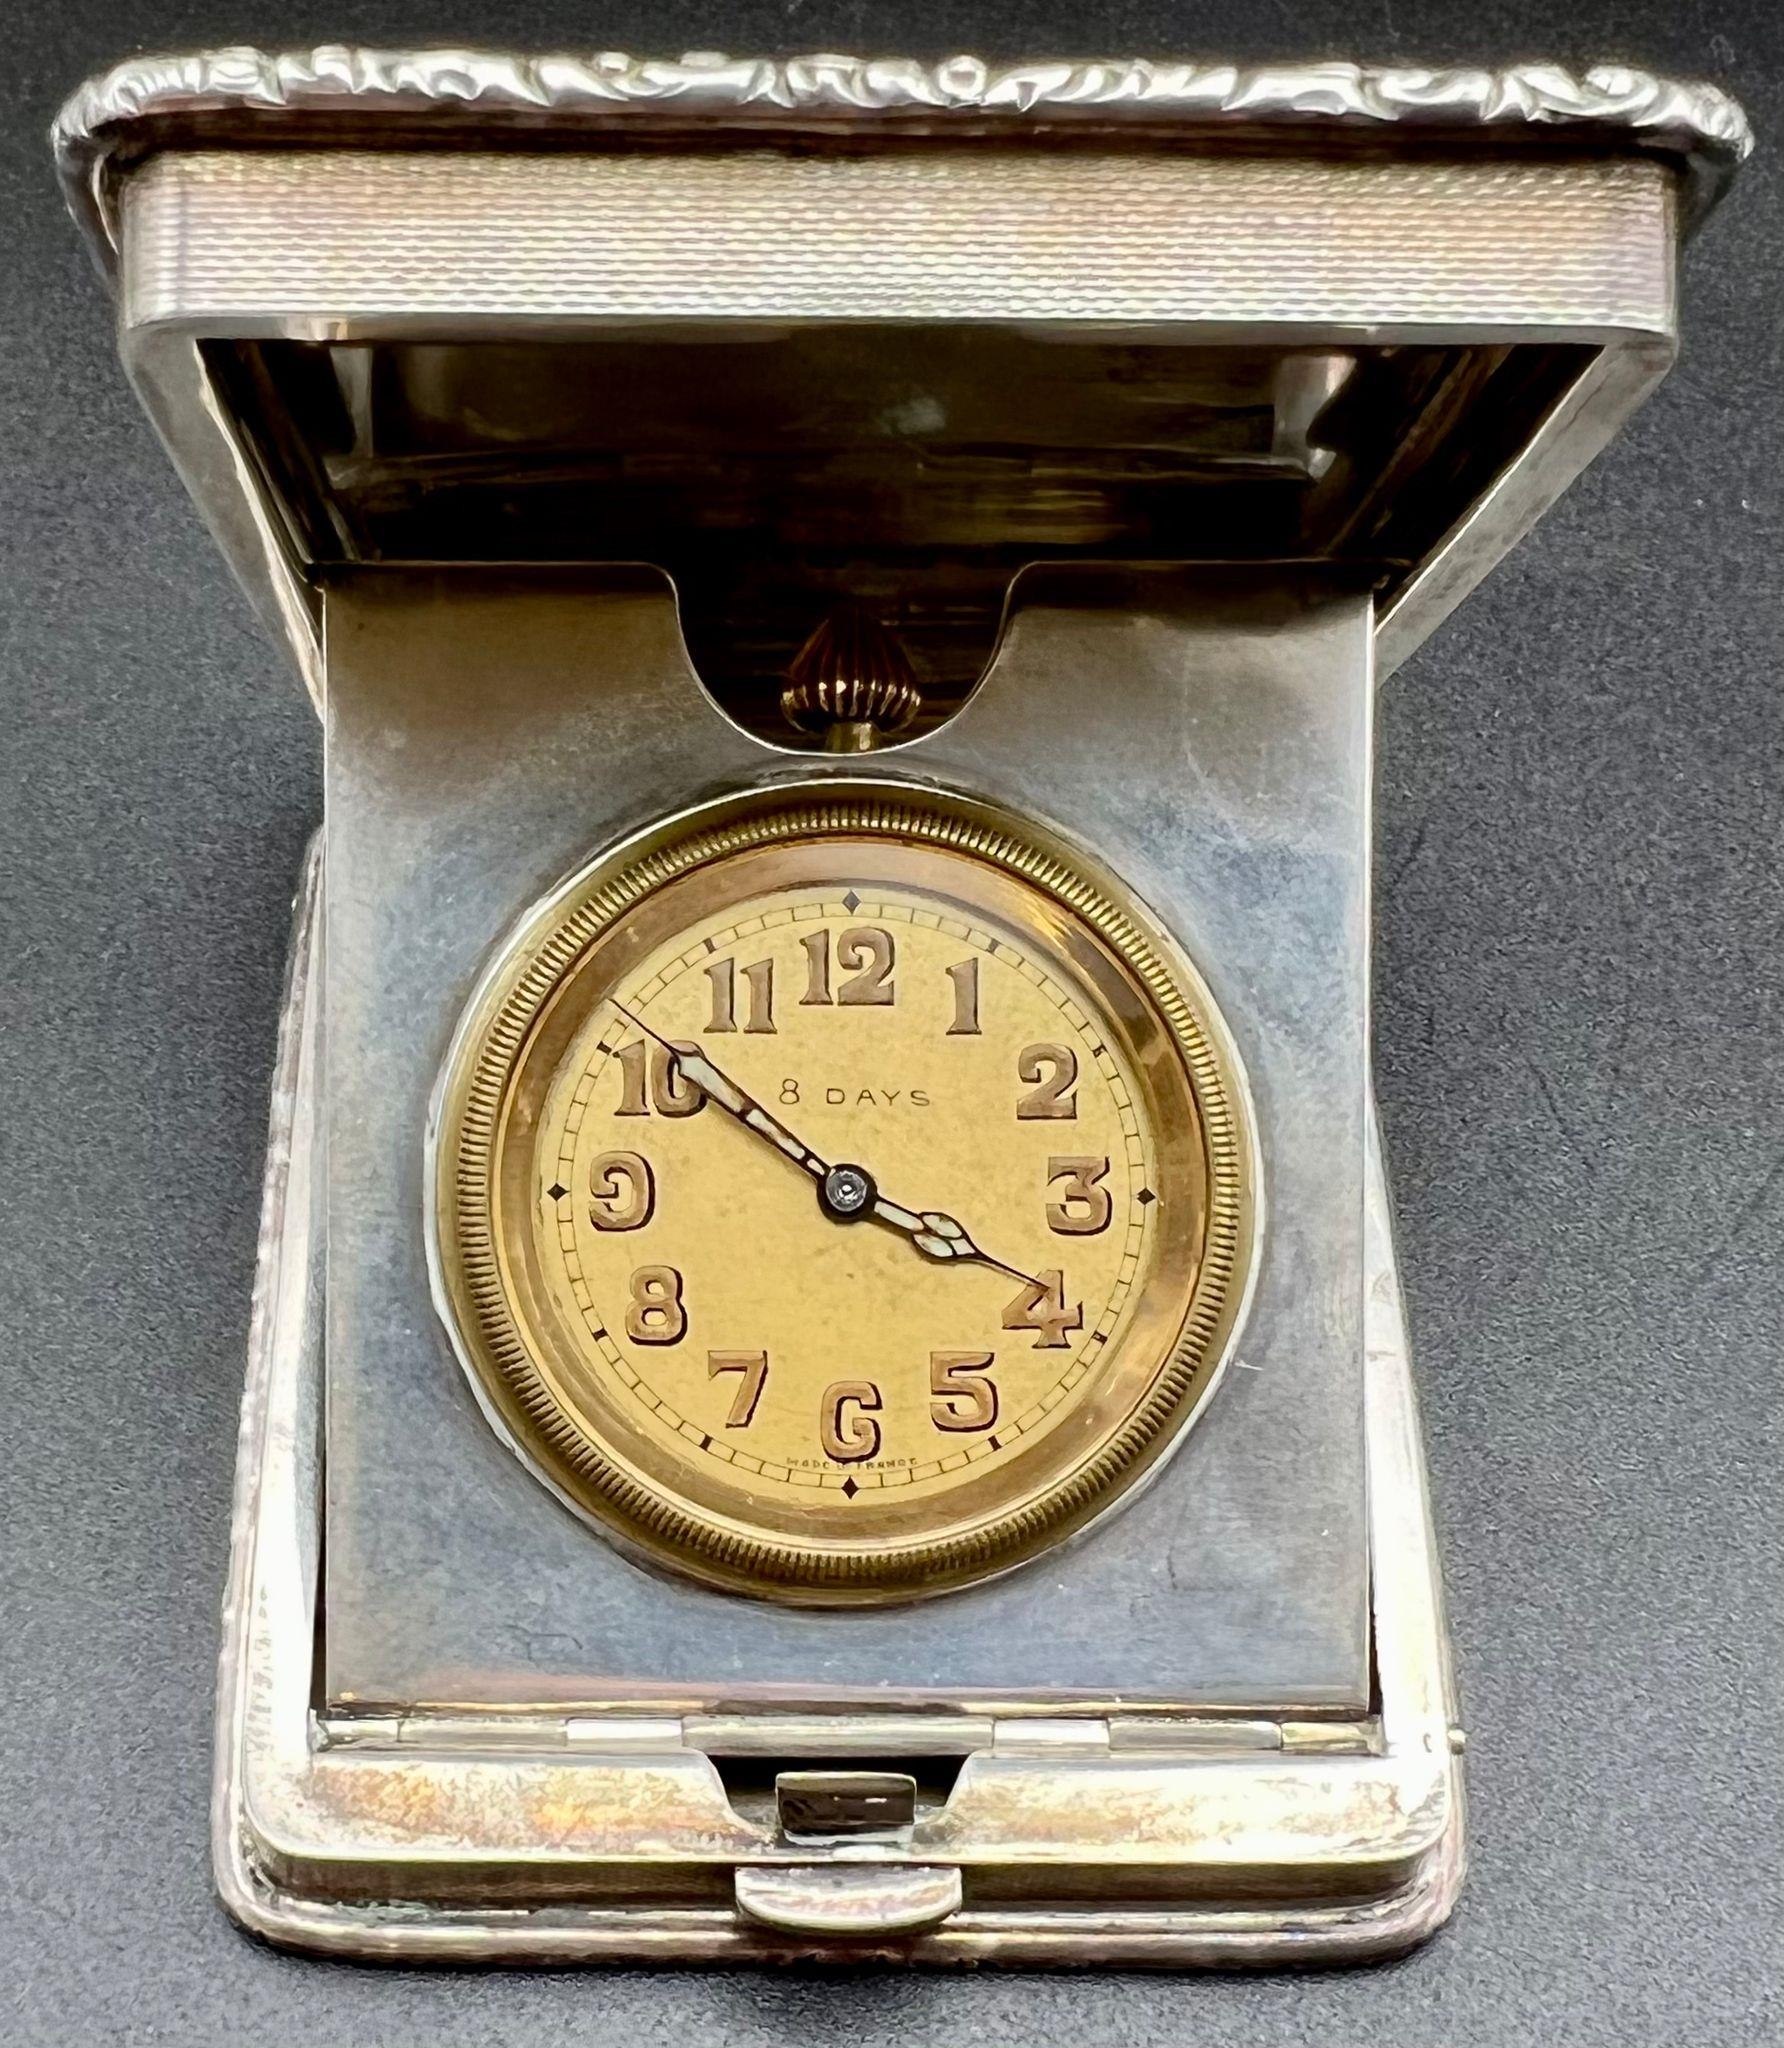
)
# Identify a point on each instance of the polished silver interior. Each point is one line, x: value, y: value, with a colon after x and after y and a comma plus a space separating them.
x: 1207, y: 736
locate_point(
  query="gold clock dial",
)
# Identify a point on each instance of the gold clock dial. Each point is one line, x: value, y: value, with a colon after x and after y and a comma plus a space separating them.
x: 841, y: 1198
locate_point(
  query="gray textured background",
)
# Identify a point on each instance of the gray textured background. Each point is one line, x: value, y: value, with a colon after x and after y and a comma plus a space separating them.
x: 1581, y: 927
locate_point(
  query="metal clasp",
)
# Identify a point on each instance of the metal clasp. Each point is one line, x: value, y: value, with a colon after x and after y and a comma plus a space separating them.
x: 836, y: 1805
x: 848, y: 1901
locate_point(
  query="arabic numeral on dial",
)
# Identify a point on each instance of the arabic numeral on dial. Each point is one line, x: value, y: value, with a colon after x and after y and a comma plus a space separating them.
x: 847, y: 1427
x: 624, y: 1191
x: 634, y: 1073
x: 1052, y: 1074
x: 964, y: 974
x: 1042, y: 1306
x: 655, y: 1314
x: 869, y: 952
x: 964, y: 1396
x: 864, y: 953
x: 651, y: 1080
x: 758, y: 979
x: 672, y: 1094
x: 817, y: 968
x: 1084, y: 1207
x: 753, y: 1367
x: 723, y: 976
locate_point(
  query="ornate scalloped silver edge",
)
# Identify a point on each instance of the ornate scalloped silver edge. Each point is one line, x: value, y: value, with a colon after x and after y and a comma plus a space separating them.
x: 494, y: 90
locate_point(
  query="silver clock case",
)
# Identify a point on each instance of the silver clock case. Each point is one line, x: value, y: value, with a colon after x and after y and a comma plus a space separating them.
x: 444, y: 342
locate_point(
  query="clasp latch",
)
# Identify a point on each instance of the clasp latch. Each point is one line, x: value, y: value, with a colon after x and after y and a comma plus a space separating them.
x: 828, y: 1806
x: 848, y: 1901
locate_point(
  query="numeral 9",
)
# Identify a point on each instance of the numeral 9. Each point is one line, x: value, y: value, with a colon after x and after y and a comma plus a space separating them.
x: 624, y: 1191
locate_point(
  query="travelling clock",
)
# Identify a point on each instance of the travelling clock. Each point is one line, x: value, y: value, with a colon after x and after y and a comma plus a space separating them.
x: 841, y: 1196
x: 894, y: 562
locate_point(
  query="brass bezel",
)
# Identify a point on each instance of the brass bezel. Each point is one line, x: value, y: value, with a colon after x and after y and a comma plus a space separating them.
x: 597, y: 1463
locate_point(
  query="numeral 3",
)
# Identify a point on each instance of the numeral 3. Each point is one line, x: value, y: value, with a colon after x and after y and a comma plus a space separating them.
x: 1084, y: 1206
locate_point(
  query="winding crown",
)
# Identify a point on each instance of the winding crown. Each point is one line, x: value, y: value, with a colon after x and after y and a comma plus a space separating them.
x: 851, y: 682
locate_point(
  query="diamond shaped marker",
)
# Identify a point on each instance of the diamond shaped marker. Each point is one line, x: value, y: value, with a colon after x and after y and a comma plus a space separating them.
x: 1144, y: 1196
x: 850, y: 1488
x: 557, y: 1191
x: 851, y: 902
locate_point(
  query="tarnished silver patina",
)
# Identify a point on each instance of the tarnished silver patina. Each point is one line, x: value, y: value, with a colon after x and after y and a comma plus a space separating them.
x: 607, y: 438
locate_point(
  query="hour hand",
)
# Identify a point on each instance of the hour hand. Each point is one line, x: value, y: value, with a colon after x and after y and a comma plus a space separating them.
x: 938, y: 1236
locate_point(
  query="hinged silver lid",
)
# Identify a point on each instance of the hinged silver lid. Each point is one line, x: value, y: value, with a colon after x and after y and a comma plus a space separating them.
x: 466, y: 307
x: 340, y: 94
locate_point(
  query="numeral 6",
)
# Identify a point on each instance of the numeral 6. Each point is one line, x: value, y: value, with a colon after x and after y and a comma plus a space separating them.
x: 846, y: 1425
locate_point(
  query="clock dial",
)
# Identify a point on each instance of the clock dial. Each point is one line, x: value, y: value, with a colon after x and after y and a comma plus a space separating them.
x: 843, y: 1199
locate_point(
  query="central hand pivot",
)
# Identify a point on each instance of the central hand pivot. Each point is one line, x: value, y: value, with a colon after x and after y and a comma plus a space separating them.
x: 847, y: 1193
